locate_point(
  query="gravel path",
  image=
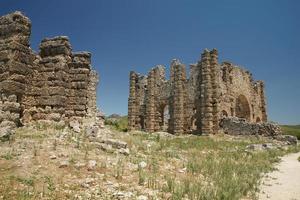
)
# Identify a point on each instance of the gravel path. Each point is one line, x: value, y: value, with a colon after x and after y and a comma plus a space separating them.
x: 283, y: 184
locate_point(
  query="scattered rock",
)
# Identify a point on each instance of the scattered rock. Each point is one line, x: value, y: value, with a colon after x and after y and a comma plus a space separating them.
x: 125, y: 152
x: 79, y: 165
x: 92, y: 131
x: 142, y: 164
x: 52, y: 157
x: 163, y: 134
x: 183, y: 170
x: 119, y: 195
x: 115, y: 143
x: 64, y: 164
x: 104, y: 147
x: 91, y: 165
x: 289, y: 139
x: 142, y: 197
x: 88, y: 182
x: 5, y: 133
x: 260, y: 147
x: 75, y: 126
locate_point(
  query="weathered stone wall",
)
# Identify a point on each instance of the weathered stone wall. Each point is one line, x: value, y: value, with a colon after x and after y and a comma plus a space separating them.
x: 54, y: 85
x: 92, y: 110
x: 16, y: 60
x: 79, y: 78
x: 49, y: 83
x: 240, y: 95
x: 194, y: 104
x: 239, y: 126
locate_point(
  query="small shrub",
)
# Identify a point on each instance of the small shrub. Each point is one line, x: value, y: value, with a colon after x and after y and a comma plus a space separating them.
x: 50, y: 184
x: 119, y: 170
x: 7, y: 156
x: 26, y: 181
x: 141, y: 175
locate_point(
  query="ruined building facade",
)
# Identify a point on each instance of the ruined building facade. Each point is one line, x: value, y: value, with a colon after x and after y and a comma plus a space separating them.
x: 196, y: 103
x: 55, y: 84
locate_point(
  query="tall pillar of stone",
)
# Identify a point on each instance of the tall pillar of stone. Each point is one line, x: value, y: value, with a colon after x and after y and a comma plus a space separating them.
x: 79, y: 77
x: 132, y: 109
x: 206, y: 98
x: 92, y: 94
x: 177, y: 114
x: 150, y: 111
x: 159, y: 78
x: 16, y: 60
x: 263, y: 102
x: 215, y: 89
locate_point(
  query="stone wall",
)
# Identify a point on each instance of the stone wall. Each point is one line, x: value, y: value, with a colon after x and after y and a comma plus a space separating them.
x: 16, y: 63
x: 55, y: 84
x: 196, y: 103
x: 239, y: 126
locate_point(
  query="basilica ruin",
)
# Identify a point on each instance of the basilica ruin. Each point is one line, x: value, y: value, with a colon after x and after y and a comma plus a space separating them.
x: 55, y: 84
x: 196, y: 103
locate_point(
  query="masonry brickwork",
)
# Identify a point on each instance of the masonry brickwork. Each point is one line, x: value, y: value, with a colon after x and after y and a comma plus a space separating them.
x: 55, y: 84
x: 196, y: 103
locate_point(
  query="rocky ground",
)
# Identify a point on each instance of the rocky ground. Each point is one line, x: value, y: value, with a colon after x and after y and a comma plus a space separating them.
x: 58, y: 162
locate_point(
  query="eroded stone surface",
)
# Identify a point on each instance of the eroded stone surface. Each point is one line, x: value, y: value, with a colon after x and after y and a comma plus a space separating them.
x: 239, y: 126
x: 53, y: 85
x: 196, y: 103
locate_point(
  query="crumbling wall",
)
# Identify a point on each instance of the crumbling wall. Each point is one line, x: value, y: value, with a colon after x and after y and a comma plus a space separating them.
x: 195, y: 104
x: 92, y: 94
x: 53, y: 85
x: 241, y: 96
x: 16, y: 60
x: 239, y: 126
x: 79, y: 78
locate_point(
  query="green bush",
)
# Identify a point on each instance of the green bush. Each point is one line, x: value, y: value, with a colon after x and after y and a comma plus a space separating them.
x: 119, y: 124
x: 291, y: 130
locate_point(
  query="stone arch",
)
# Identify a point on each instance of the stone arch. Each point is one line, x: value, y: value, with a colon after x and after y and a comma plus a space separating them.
x: 258, y: 120
x: 224, y: 113
x: 242, y: 108
x: 142, y: 122
x: 165, y: 117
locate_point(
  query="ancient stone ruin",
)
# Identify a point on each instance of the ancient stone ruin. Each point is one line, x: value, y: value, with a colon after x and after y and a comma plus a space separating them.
x: 56, y: 84
x: 196, y: 103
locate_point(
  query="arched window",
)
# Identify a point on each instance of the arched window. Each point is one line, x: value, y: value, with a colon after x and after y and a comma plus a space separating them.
x: 242, y: 108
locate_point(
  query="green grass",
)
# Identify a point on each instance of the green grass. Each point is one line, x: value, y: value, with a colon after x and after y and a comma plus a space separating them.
x: 215, y: 169
x: 118, y: 124
x: 291, y: 130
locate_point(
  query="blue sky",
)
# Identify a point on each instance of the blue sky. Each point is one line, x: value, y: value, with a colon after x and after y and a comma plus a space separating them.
x: 124, y: 35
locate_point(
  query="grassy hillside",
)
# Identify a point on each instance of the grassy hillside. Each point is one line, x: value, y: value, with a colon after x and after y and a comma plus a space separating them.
x: 292, y: 130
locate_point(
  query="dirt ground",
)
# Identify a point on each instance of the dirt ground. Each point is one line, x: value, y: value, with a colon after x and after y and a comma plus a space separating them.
x: 283, y: 183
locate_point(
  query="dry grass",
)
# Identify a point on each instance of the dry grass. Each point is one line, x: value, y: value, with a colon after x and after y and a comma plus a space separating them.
x: 188, y: 167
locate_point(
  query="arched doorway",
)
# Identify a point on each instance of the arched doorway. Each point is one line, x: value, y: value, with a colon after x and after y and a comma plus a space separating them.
x: 258, y: 120
x: 242, y: 108
x: 165, y: 116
